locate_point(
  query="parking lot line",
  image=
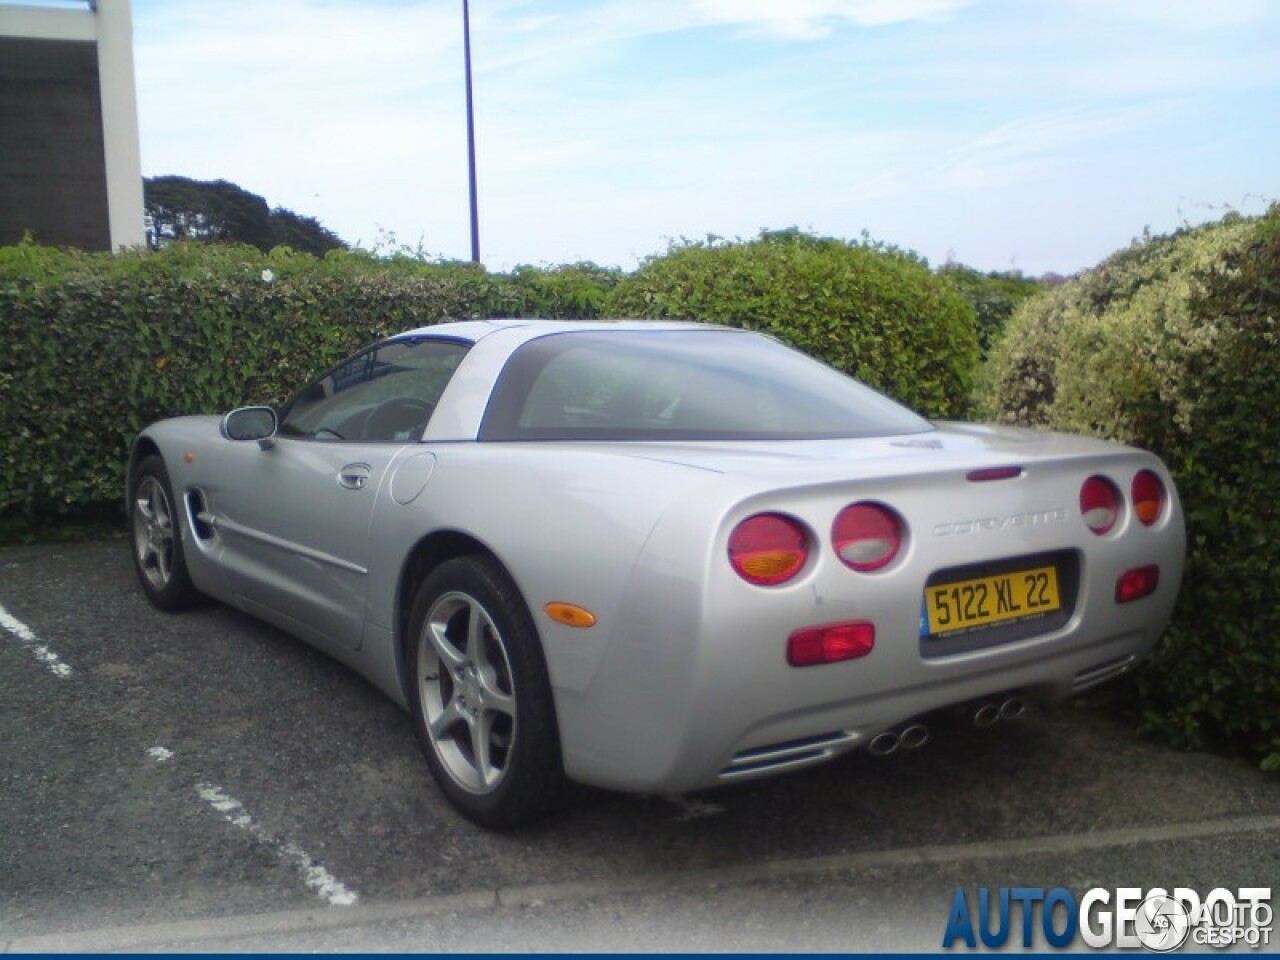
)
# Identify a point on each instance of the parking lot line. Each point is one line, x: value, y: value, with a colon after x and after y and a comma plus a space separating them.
x: 26, y: 636
x: 327, y: 887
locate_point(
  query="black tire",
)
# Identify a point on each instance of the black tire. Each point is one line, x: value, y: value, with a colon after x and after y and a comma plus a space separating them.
x: 481, y: 697
x: 156, y: 538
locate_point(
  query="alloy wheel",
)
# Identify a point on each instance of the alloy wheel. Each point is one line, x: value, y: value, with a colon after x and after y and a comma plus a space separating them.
x: 153, y: 532
x: 466, y: 692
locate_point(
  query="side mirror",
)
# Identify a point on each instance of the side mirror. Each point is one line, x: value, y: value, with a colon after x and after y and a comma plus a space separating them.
x: 252, y: 423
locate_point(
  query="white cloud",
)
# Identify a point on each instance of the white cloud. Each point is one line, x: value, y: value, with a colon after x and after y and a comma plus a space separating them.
x: 1007, y: 154
x: 812, y: 19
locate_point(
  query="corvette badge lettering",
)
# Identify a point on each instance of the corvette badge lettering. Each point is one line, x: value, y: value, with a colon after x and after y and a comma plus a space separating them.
x: 1034, y: 518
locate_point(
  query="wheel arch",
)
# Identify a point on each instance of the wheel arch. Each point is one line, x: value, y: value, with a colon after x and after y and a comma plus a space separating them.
x: 428, y: 553
x: 143, y: 447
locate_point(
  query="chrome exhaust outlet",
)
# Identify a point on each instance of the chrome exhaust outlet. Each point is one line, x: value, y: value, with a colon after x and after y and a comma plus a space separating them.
x: 1013, y: 708
x: 986, y: 715
x: 914, y: 737
x: 883, y: 744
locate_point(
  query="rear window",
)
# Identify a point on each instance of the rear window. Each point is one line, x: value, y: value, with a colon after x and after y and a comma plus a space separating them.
x: 681, y: 385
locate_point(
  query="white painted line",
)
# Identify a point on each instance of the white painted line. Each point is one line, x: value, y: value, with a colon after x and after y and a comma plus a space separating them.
x: 325, y: 885
x: 29, y: 640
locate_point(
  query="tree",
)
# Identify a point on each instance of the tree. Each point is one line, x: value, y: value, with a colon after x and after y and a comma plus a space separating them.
x: 304, y: 234
x: 217, y: 211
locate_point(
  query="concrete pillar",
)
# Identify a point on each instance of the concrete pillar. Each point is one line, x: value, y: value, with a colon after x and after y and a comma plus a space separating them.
x: 120, y: 123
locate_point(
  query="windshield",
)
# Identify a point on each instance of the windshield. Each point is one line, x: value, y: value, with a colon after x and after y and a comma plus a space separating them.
x: 681, y: 385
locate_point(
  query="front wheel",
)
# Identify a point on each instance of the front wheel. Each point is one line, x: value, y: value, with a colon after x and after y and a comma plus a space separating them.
x: 157, y: 538
x: 481, y: 697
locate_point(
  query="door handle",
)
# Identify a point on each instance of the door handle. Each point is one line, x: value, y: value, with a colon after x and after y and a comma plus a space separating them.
x: 354, y: 476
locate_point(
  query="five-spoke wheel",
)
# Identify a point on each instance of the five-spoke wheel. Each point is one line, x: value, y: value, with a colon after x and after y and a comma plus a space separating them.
x: 466, y: 694
x: 157, y: 539
x: 481, y: 695
x: 153, y: 532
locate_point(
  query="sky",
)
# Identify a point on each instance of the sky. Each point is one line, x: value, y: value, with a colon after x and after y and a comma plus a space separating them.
x: 1038, y: 135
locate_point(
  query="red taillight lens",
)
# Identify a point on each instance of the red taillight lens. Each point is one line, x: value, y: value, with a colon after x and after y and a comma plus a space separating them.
x: 1137, y: 583
x: 1148, y: 497
x: 1100, y: 504
x: 830, y: 644
x: 866, y: 536
x: 768, y: 549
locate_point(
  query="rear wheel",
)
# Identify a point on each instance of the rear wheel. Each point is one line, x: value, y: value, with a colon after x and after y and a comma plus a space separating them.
x: 157, y: 538
x: 482, y: 700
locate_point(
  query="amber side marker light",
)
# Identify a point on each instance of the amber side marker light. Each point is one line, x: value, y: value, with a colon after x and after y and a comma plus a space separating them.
x: 570, y: 614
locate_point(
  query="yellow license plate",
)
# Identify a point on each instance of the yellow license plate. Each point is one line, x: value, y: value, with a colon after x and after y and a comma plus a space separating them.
x: 966, y: 604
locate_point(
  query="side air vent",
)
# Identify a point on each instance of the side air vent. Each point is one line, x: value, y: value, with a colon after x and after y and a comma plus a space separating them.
x: 201, y: 520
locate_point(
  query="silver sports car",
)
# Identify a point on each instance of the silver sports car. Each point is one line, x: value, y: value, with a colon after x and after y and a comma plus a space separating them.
x: 654, y: 556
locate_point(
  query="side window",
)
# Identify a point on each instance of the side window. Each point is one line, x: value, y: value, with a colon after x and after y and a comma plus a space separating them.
x: 384, y: 395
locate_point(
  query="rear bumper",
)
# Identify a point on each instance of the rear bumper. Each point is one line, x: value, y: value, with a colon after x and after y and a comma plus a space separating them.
x: 693, y: 687
x: 849, y: 726
x: 675, y: 736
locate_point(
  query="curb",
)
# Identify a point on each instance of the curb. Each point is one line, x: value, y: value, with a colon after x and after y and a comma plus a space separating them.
x: 338, y: 917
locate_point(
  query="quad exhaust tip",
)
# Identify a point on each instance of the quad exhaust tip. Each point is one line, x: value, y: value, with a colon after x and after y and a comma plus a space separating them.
x: 989, y: 714
x: 911, y: 737
x: 914, y: 737
x: 1013, y: 708
x: 884, y: 744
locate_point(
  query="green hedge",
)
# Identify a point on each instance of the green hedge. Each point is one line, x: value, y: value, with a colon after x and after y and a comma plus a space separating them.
x: 1172, y: 345
x: 93, y: 346
x: 872, y: 311
x: 994, y: 296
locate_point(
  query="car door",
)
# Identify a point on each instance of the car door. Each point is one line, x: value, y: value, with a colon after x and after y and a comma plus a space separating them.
x: 294, y: 513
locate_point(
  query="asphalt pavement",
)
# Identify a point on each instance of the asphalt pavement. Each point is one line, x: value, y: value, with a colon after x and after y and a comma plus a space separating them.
x: 205, y: 782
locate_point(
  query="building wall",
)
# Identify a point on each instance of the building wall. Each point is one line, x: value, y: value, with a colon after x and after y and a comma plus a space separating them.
x: 53, y: 180
x: 70, y: 164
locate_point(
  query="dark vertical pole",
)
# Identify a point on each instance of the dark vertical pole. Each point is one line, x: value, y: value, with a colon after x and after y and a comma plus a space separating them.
x: 471, y: 135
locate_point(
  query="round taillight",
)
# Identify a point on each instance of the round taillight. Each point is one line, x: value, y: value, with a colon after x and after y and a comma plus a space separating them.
x: 1100, y: 504
x: 867, y: 536
x: 1148, y: 497
x: 768, y: 549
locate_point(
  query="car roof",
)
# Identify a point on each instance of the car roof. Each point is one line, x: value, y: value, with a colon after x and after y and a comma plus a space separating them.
x: 531, y: 328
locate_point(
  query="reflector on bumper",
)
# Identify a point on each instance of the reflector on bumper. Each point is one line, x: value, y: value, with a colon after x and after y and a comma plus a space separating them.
x: 831, y: 643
